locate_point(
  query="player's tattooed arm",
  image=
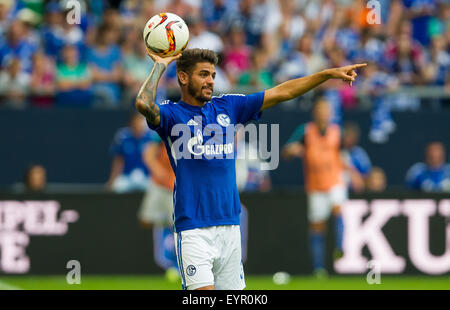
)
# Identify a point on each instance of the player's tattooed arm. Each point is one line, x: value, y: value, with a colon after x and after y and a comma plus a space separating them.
x: 145, y: 101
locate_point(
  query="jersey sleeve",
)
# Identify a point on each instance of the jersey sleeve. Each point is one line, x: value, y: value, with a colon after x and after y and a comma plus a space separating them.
x: 246, y: 107
x: 166, y: 120
x: 363, y: 163
x: 116, y: 148
x: 413, y: 176
x: 298, y: 135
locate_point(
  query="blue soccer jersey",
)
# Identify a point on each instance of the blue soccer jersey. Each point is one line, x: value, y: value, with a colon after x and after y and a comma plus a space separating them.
x: 421, y: 177
x: 200, y: 145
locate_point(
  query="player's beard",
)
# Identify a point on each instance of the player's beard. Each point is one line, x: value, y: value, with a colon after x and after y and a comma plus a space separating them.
x: 198, y: 94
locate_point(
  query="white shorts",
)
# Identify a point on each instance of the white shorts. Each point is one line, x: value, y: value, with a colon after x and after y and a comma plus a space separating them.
x: 320, y: 204
x: 157, y: 205
x: 210, y: 256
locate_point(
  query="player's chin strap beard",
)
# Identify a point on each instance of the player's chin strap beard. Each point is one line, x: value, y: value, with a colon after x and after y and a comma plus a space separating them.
x: 193, y: 93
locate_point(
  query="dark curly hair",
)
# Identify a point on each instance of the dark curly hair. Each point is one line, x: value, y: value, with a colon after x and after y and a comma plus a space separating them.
x: 191, y: 57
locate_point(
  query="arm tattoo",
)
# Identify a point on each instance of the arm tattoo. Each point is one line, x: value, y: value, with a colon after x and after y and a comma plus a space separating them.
x: 145, y: 101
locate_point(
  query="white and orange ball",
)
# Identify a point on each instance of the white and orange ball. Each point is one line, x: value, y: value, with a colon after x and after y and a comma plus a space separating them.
x: 166, y: 34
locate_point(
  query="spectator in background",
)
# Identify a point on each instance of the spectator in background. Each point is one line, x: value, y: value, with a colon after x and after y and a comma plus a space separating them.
x: 57, y: 33
x: 16, y: 45
x: 14, y: 84
x: 237, y: 55
x: 333, y: 90
x: 181, y: 8
x: 438, y: 25
x: 241, y: 17
x: 199, y: 37
x: 129, y: 10
x: 433, y: 175
x: 30, y: 20
x: 420, y: 14
x: 258, y: 76
x: 213, y: 12
x: 302, y: 61
x: 137, y: 65
x: 105, y: 64
x: 73, y: 80
x: 377, y: 85
x: 355, y: 157
x: 437, y: 72
x: 376, y: 180
x: 43, y: 81
x: 5, y: 15
x: 35, y: 179
x: 293, y: 25
x: 128, y: 170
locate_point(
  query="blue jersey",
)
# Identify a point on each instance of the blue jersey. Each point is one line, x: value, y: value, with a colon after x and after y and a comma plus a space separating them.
x: 421, y: 177
x: 205, y: 190
x: 130, y: 148
x: 360, y: 160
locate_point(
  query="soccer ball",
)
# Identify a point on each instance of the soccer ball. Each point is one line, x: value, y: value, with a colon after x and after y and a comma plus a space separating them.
x: 166, y: 34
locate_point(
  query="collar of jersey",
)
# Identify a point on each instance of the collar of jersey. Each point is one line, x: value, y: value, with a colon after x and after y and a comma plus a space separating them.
x: 192, y: 107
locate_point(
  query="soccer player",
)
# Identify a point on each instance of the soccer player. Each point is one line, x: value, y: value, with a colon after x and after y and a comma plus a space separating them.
x: 128, y: 170
x: 318, y: 144
x: 206, y: 199
x: 157, y: 208
x: 433, y: 175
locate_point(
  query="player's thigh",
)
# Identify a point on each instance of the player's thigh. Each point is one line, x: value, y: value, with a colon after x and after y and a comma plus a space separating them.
x: 338, y: 195
x: 228, y: 270
x: 156, y: 206
x: 195, y: 254
x: 319, y: 206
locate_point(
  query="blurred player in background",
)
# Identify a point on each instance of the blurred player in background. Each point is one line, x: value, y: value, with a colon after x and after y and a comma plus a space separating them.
x: 318, y: 144
x: 433, y: 175
x: 249, y: 178
x: 355, y: 157
x: 128, y: 170
x: 157, y: 208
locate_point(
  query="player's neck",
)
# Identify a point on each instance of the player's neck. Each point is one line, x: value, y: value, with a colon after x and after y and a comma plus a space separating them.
x: 186, y: 97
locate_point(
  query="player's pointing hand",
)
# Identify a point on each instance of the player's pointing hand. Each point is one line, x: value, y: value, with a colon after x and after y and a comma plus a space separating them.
x: 347, y: 73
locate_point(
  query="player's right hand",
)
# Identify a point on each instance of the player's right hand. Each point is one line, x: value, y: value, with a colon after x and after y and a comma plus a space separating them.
x: 163, y: 60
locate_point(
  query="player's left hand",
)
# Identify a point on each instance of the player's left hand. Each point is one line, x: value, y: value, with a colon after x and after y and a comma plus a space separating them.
x: 347, y: 73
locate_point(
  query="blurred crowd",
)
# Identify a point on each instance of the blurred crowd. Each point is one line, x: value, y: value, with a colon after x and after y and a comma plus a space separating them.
x: 101, y: 61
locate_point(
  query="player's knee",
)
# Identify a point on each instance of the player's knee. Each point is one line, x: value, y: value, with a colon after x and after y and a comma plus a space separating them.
x: 317, y: 227
x: 337, y: 210
x: 145, y: 224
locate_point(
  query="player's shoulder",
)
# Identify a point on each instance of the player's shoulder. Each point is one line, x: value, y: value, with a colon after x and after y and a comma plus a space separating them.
x: 416, y: 170
x: 123, y: 133
x: 447, y: 169
x: 167, y: 103
x: 358, y: 150
x: 226, y: 97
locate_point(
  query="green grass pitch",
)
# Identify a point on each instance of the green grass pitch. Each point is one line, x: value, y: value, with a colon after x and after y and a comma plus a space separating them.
x: 253, y: 283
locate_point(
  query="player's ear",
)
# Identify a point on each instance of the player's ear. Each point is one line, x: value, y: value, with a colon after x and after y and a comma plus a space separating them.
x: 183, y: 78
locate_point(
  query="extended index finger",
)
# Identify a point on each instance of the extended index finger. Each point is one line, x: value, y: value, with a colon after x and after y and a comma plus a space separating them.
x: 356, y: 66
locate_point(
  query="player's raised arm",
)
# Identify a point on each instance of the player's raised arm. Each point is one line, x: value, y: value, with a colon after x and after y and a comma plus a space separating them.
x: 297, y: 87
x: 145, y: 101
